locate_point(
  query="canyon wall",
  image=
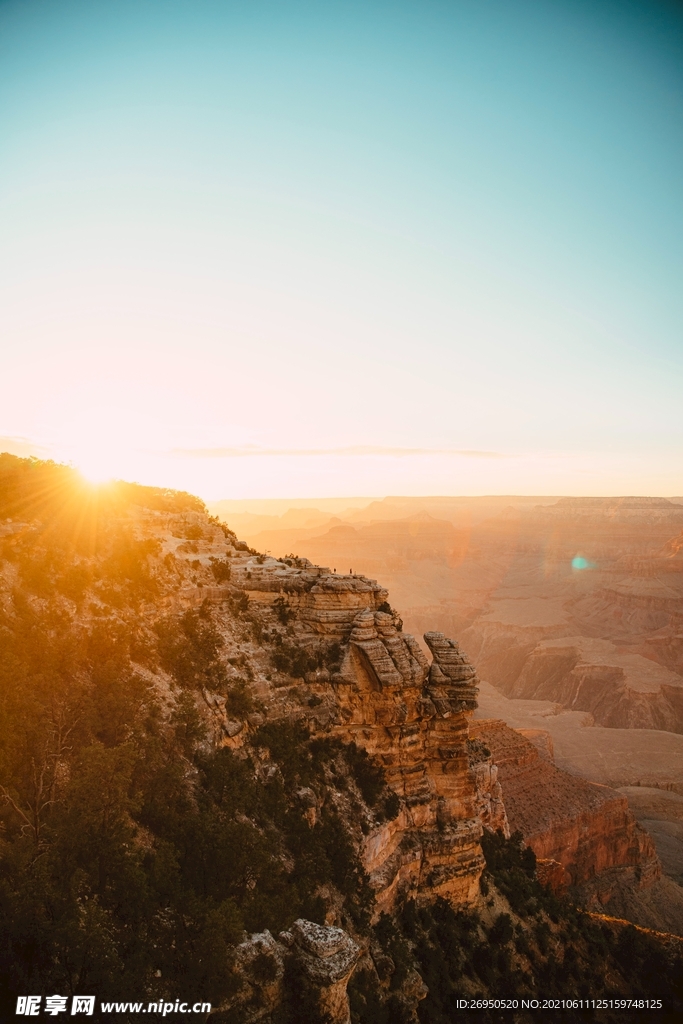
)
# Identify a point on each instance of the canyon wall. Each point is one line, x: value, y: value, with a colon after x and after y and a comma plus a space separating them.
x: 620, y: 688
x: 583, y: 834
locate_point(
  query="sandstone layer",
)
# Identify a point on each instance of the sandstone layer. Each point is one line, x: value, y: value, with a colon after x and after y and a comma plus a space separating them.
x: 620, y: 689
x: 611, y: 757
x: 660, y: 811
x: 414, y: 719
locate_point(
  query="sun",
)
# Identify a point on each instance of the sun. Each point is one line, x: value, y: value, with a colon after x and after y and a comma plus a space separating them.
x: 100, y: 458
x: 95, y: 475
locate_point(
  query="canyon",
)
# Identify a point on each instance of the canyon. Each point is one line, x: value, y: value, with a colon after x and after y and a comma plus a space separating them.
x: 572, y: 610
x: 453, y: 773
x: 310, y: 803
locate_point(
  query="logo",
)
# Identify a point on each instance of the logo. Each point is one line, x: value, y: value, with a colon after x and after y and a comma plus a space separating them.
x: 29, y: 1006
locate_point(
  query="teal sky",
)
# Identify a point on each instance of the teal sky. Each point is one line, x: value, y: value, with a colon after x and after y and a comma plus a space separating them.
x: 281, y: 249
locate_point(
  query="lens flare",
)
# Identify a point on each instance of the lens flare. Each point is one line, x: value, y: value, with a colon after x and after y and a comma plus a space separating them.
x: 579, y: 562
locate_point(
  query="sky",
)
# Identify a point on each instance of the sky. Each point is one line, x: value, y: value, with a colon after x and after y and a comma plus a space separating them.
x: 288, y: 249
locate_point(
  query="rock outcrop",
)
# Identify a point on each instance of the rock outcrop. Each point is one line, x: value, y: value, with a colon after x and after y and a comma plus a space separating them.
x: 414, y: 719
x: 490, y: 801
x: 583, y: 834
x: 309, y: 965
x: 411, y: 715
x: 454, y: 776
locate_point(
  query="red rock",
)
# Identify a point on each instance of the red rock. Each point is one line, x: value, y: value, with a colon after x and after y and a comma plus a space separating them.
x: 587, y: 829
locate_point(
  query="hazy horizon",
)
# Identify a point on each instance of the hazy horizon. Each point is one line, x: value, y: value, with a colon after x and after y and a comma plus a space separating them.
x: 358, y: 502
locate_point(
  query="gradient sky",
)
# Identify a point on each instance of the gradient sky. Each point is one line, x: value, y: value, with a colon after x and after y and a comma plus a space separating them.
x: 302, y: 249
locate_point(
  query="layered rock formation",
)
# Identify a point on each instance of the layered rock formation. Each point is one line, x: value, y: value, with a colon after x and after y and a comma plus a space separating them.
x: 414, y: 718
x: 583, y: 834
x: 410, y: 714
x: 386, y: 697
x: 621, y: 689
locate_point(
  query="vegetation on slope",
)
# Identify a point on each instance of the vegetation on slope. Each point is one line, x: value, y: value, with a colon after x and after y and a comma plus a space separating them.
x: 533, y: 944
x: 133, y: 853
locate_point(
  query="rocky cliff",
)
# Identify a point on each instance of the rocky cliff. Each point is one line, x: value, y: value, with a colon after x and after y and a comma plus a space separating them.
x: 409, y: 714
x: 319, y: 958
x: 620, y: 688
x: 583, y: 834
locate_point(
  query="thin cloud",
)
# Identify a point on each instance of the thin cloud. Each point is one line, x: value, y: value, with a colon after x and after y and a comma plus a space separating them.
x: 23, y: 447
x: 353, y: 450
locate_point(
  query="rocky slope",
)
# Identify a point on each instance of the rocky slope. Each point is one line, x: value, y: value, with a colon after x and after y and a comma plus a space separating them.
x: 587, y: 829
x: 660, y: 811
x: 586, y: 836
x: 620, y: 689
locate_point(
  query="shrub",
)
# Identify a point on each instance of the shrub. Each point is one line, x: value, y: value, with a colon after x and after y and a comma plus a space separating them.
x: 239, y: 701
x: 189, y: 650
x: 264, y: 967
x: 193, y: 531
x: 294, y: 660
x: 501, y: 931
x: 220, y: 567
x: 392, y: 805
x: 333, y: 656
x: 239, y: 603
x: 282, y: 610
x: 368, y: 774
x: 512, y: 866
